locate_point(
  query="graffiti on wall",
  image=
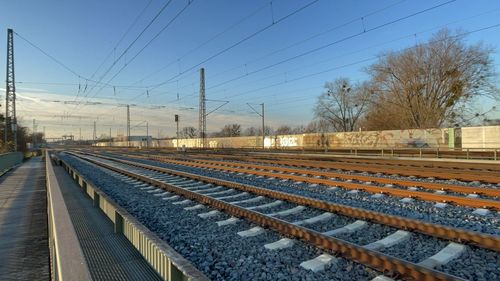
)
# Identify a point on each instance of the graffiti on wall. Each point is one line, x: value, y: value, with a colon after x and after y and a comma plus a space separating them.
x: 282, y: 141
x: 419, y: 138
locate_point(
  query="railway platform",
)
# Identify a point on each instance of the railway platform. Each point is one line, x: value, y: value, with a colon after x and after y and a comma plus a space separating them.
x: 89, y: 248
x: 24, y: 249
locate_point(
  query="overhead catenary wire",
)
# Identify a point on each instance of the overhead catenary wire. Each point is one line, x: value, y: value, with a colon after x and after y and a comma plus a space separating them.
x: 50, y: 56
x: 152, y: 39
x: 112, y: 51
x: 248, y: 37
x: 217, y: 35
x: 66, y: 67
x: 336, y: 42
x: 288, y: 80
x: 353, y: 63
x: 371, y: 47
x: 147, y: 44
x: 162, y: 9
x: 77, y: 84
x: 336, y: 27
x: 332, y: 43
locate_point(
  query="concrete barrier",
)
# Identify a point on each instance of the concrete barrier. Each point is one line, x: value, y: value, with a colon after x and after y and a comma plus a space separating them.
x: 9, y: 160
x: 486, y: 137
x: 66, y: 257
x: 169, y: 264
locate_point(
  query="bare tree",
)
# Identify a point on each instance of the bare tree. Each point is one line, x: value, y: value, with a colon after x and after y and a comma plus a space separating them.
x: 251, y: 131
x: 430, y: 84
x: 343, y: 104
x: 188, y: 133
x: 268, y: 130
x: 299, y: 129
x: 283, y: 130
x: 230, y: 130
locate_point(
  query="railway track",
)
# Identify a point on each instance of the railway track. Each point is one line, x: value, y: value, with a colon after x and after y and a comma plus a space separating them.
x: 305, y: 218
x: 377, y: 166
x: 464, y: 195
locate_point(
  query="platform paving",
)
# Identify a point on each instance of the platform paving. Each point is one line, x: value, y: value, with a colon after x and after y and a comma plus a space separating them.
x: 24, y: 250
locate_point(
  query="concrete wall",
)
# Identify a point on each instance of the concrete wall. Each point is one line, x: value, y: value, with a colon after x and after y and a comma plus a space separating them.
x: 479, y: 137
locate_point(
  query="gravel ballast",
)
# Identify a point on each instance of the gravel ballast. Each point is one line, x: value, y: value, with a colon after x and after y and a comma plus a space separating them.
x: 217, y: 251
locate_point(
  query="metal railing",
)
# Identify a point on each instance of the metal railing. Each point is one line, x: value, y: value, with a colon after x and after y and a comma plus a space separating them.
x: 67, y: 261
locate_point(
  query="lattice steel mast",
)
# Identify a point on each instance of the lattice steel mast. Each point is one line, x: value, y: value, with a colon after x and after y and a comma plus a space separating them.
x: 202, y: 122
x: 10, y: 128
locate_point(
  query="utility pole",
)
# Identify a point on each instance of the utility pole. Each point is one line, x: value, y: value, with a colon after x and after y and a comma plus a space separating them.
x: 177, y: 135
x: 128, y: 125
x: 44, y: 137
x: 261, y: 114
x: 94, y: 136
x: 202, y: 120
x: 34, y: 135
x: 10, y: 127
x: 263, y: 127
x: 147, y: 134
x: 80, y: 138
x: 110, y: 136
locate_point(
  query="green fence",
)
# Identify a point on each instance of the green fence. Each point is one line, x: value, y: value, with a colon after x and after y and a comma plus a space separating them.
x: 8, y: 160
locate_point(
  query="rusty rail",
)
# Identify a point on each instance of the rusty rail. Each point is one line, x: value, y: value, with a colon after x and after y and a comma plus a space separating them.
x: 404, y: 171
x: 373, y: 259
x: 491, y: 166
x: 408, y: 183
x: 428, y: 166
x: 449, y: 233
x: 463, y: 201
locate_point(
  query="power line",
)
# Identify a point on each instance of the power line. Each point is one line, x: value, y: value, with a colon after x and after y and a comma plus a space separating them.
x: 131, y: 44
x: 359, y: 61
x: 239, y: 42
x: 76, y: 84
x: 147, y: 44
x: 335, y: 42
x: 49, y: 56
x: 65, y: 66
x: 311, y: 37
x: 370, y: 47
x: 303, y: 40
x: 121, y: 39
x: 232, y: 46
x: 152, y: 39
x: 253, y: 13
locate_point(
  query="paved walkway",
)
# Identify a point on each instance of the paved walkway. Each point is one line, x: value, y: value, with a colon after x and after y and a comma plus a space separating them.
x: 24, y: 252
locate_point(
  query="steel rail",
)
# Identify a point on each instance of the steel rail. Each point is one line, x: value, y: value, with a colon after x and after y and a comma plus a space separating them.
x: 408, y: 183
x: 404, y: 171
x: 374, y: 259
x: 408, y: 164
x: 493, y: 166
x: 389, y: 163
x: 482, y: 240
x: 459, y: 200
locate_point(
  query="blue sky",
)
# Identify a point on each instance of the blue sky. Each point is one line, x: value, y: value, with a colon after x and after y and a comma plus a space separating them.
x: 270, y: 67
